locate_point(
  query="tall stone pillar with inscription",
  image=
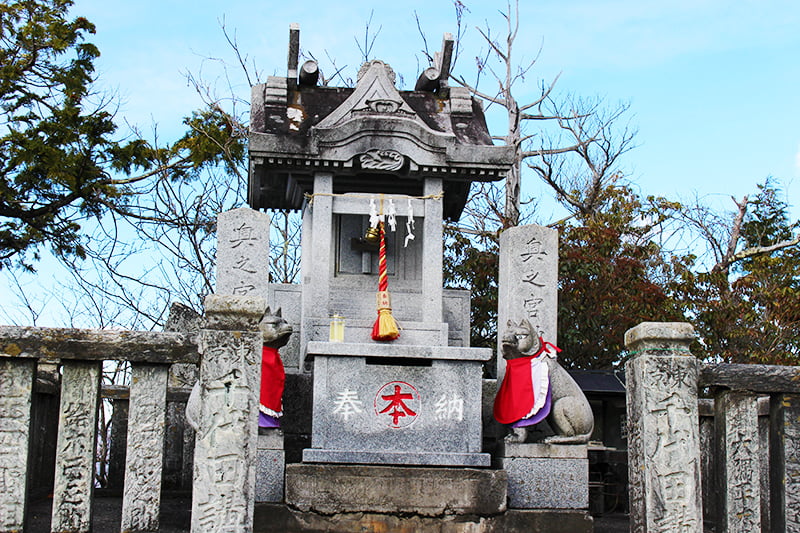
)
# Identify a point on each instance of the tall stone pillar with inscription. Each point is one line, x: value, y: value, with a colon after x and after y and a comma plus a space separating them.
x: 527, y: 300
x: 663, y: 429
x: 243, y: 270
x: 226, y: 444
x: 528, y: 282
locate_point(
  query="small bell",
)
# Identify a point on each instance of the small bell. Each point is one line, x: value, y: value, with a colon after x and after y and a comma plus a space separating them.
x: 373, y: 236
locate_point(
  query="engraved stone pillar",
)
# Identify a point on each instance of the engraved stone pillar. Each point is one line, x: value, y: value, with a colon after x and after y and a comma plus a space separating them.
x: 785, y: 468
x: 739, y: 499
x: 77, y: 434
x: 528, y: 282
x: 145, y: 456
x: 663, y: 430
x: 16, y: 387
x: 243, y: 253
x: 226, y: 443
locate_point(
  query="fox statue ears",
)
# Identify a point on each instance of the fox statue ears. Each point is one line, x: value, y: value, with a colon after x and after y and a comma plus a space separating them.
x: 276, y: 313
x: 522, y: 323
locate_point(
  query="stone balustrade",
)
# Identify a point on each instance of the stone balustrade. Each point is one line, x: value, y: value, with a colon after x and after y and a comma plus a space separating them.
x: 231, y: 350
x: 745, y: 469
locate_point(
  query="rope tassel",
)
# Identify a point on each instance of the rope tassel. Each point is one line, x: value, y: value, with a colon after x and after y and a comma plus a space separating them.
x: 385, y: 327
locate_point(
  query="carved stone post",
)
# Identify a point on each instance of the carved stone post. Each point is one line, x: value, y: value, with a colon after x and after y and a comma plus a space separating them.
x: 663, y: 429
x: 77, y: 435
x: 145, y: 457
x: 16, y: 387
x: 785, y: 462
x: 226, y: 444
x: 739, y: 499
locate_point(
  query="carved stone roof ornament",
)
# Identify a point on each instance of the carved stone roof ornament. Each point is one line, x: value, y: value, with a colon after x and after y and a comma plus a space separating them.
x: 400, y: 137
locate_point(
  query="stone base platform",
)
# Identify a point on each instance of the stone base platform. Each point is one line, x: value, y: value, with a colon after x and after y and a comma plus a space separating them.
x: 475, y: 460
x: 270, y: 463
x: 546, y: 476
x: 423, y: 491
x: 272, y: 518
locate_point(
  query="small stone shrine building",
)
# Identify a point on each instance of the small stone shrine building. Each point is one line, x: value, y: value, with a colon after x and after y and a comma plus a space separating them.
x: 340, y: 154
x: 396, y: 426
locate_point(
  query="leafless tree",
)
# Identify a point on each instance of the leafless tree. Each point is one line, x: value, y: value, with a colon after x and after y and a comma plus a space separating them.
x: 576, y: 144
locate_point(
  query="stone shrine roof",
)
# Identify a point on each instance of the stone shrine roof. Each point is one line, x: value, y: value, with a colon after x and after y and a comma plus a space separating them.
x: 372, y: 137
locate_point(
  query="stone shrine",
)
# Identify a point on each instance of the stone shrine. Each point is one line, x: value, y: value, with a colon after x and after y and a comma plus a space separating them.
x: 344, y: 156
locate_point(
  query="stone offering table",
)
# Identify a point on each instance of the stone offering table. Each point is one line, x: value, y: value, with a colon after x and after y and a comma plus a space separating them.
x: 396, y: 404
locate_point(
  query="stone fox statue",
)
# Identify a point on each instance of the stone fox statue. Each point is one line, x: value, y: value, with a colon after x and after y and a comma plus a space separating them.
x: 536, y: 387
x: 275, y: 333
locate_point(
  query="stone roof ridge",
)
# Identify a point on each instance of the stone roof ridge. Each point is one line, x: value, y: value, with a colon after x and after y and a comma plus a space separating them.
x: 375, y: 95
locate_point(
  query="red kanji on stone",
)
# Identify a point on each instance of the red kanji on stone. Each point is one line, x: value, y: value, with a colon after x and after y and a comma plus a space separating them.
x: 397, y: 408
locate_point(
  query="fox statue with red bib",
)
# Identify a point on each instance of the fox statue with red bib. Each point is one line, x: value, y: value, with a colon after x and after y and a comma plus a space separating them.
x: 536, y: 387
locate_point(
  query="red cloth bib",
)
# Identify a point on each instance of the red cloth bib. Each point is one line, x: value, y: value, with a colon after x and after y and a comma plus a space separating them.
x: 273, y: 378
x: 515, y: 397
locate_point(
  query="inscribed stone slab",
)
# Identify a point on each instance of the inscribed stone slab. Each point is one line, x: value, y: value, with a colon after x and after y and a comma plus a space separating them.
x: 225, y: 447
x: 785, y: 473
x: 141, y: 500
x: 663, y: 443
x: 16, y: 386
x: 738, y: 453
x: 243, y: 253
x: 77, y: 431
x: 528, y: 281
x: 429, y: 406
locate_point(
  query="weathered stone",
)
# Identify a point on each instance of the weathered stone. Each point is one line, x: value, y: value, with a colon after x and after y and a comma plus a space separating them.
x: 175, y: 427
x: 670, y: 338
x: 145, y: 457
x: 528, y: 281
x: 288, y: 298
x: 119, y: 442
x: 544, y: 476
x: 271, y: 518
x: 408, y: 411
x: 708, y: 461
x: 432, y: 253
x: 243, y: 253
x: 270, y: 467
x: 16, y: 389
x: 764, y: 464
x: 97, y: 344
x: 226, y: 443
x: 234, y: 313
x: 424, y: 491
x: 785, y: 467
x: 739, y: 500
x: 663, y: 431
x: 754, y: 378
x: 183, y: 318
x: 77, y: 432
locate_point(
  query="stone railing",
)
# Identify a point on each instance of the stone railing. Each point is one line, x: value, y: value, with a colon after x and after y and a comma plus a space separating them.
x: 222, y: 493
x: 683, y: 454
x: 81, y: 354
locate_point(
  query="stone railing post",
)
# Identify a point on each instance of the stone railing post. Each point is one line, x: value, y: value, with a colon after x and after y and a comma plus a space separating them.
x: 663, y: 429
x: 226, y: 444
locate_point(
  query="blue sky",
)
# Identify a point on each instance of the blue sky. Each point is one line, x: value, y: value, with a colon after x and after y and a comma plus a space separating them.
x: 713, y: 85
